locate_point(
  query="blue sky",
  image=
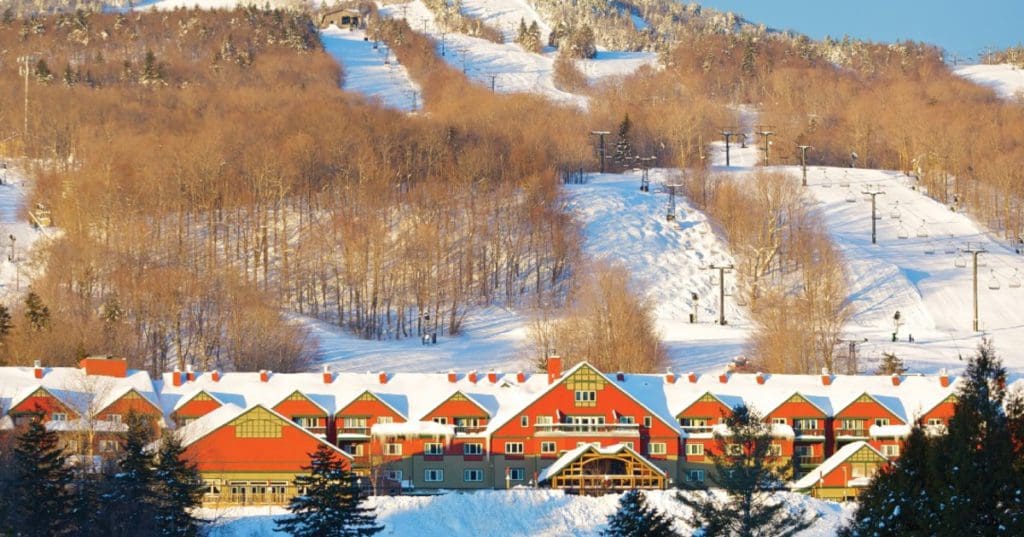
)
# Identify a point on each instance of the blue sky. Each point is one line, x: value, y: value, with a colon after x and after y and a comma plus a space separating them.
x: 958, y: 26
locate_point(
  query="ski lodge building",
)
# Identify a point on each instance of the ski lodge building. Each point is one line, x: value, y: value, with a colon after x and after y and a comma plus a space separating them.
x: 577, y: 429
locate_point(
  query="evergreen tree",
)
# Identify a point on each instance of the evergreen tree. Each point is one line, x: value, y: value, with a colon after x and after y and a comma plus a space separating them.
x: 129, y: 503
x: 331, y: 505
x: 177, y: 489
x: 37, y: 313
x: 966, y: 482
x: 891, y: 364
x: 41, y: 485
x: 43, y: 73
x: 5, y: 322
x: 637, y: 519
x: 623, y: 148
x: 88, y: 506
x: 749, y: 65
x: 751, y: 477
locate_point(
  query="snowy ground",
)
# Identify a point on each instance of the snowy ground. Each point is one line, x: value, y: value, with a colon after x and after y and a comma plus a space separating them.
x: 492, y: 338
x: 366, y: 72
x: 1006, y: 79
x: 506, y: 513
x: 622, y: 224
x: 505, y: 15
x: 14, y: 276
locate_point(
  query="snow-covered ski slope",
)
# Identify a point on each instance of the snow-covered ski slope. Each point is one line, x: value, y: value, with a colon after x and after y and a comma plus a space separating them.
x: 1006, y: 79
x: 369, y: 69
x: 668, y: 261
x: 14, y: 274
x: 519, y: 513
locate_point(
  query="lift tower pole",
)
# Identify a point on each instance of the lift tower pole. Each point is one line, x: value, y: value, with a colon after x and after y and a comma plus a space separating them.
x: 600, y: 145
x: 803, y: 159
x: 874, y: 192
x: 728, y: 135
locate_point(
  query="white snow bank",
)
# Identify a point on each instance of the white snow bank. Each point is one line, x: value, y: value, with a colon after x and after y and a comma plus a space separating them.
x: 1006, y: 79
x: 366, y: 72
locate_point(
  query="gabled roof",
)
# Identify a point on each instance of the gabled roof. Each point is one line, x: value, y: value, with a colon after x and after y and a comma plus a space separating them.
x: 832, y: 463
x: 892, y: 404
x: 116, y: 394
x: 206, y: 425
x: 29, y: 391
x: 947, y: 397
x: 182, y: 401
x: 382, y: 398
x: 451, y: 396
x: 568, y: 457
x: 728, y: 401
x: 304, y: 396
x: 818, y: 402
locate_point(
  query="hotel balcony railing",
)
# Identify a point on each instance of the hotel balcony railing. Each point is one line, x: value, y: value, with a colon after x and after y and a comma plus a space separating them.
x: 697, y: 428
x: 354, y: 430
x: 470, y: 429
x: 809, y: 460
x: 623, y: 429
x: 808, y: 432
x: 859, y: 433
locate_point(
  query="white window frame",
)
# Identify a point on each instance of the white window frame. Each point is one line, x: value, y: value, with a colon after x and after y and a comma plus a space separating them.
x: 441, y: 420
x: 695, y: 476
x: 385, y: 419
x: 882, y: 422
x: 433, y: 475
x: 545, y: 445
x: 627, y: 420
x: 393, y: 449
x: 648, y: 421
x: 935, y: 422
x: 59, y: 416
x: 657, y: 448
x: 476, y: 449
x: 433, y: 449
x: 513, y: 448
x: 394, y: 475
x: 780, y: 421
x: 114, y: 418
x: 545, y: 420
x: 891, y: 450
x: 469, y: 473
x: 585, y: 396
x: 774, y: 450
x: 524, y: 421
x: 513, y: 472
x: 355, y: 423
x: 695, y: 450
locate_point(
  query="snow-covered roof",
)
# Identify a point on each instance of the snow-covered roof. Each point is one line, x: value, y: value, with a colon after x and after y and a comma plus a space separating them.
x: 84, y: 394
x: 86, y: 425
x: 569, y: 456
x: 889, y: 431
x: 413, y: 428
x: 777, y: 430
x: 832, y: 463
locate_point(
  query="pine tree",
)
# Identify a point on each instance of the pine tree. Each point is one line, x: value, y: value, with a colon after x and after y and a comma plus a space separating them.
x: 966, y: 482
x: 5, y: 322
x: 635, y: 518
x: 177, y: 489
x: 41, y: 485
x: 751, y: 481
x: 623, y: 149
x: 331, y: 505
x: 129, y: 502
x: 88, y: 506
x: 37, y: 313
x: 891, y: 364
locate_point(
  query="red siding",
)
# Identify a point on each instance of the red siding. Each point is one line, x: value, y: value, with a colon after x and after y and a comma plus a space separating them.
x: 197, y: 408
x: 221, y: 451
x: 46, y: 403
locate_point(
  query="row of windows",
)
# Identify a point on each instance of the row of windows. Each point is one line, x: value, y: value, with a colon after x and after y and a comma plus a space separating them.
x: 653, y: 448
x: 469, y: 475
x: 524, y: 421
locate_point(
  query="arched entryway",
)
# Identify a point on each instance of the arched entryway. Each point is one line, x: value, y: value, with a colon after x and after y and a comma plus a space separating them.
x: 597, y: 470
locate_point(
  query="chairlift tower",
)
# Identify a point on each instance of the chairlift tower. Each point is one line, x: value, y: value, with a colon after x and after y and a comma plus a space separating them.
x: 803, y: 159
x: 722, y: 269
x: 671, y: 214
x: 874, y: 192
x: 766, y: 132
x: 25, y: 69
x: 728, y: 134
x: 600, y: 145
x: 645, y: 177
x: 975, y: 249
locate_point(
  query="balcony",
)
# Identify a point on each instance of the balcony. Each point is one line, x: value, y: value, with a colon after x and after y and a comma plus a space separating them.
x: 854, y: 433
x: 808, y: 432
x: 809, y: 460
x: 587, y: 429
x: 470, y: 429
x: 698, y: 429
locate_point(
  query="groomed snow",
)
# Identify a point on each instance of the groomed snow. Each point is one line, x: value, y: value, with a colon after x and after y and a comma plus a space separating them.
x: 14, y: 276
x: 365, y: 71
x: 1006, y: 79
x: 518, y: 512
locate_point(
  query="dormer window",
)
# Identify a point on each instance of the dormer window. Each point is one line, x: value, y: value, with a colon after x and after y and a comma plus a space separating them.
x: 114, y: 418
x: 59, y: 416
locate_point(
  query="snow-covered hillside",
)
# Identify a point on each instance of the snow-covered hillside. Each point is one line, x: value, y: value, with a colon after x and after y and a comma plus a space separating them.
x: 1006, y: 79
x: 367, y: 73
x: 14, y: 274
x: 532, y: 513
x: 622, y: 224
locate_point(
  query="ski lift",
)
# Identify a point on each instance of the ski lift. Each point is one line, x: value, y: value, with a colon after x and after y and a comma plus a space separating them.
x: 922, y: 230
x: 845, y: 181
x: 703, y: 264
x: 994, y: 282
x: 930, y: 249
x: 895, y: 213
x: 826, y: 182
x: 714, y: 279
x: 901, y: 232
x: 1014, y: 282
x: 960, y: 261
x: 851, y: 197
x: 740, y: 301
x: 950, y: 249
x: 689, y: 245
x: 702, y: 228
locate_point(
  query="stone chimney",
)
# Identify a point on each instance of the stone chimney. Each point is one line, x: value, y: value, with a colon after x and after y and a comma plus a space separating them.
x: 554, y: 369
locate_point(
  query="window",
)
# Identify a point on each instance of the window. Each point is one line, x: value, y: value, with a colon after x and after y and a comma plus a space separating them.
x: 803, y: 451
x: 307, y: 422
x: 392, y: 449
x: 357, y: 450
x: 935, y: 422
x: 356, y: 423
x: 433, y: 475
x: 442, y: 420
x: 59, y: 416
x: 627, y: 420
x: 881, y: 422
x: 695, y: 476
x: 735, y: 450
x: 472, y: 449
x: 394, y: 475
x: 695, y: 449
x: 891, y: 450
x: 472, y: 475
x: 586, y: 397
x: 385, y: 419
x: 516, y: 474
x: 545, y: 420
x: 780, y: 421
x: 513, y: 448
x: 656, y: 448
x: 647, y: 422
x: 433, y: 448
x: 581, y: 444
x: 805, y: 424
x: 853, y: 425
x: 775, y: 450
x: 548, y: 447
x: 186, y: 421
x: 687, y: 423
x: 524, y: 421
x: 108, y: 446
x: 258, y: 424
x: 114, y: 418
x: 467, y: 423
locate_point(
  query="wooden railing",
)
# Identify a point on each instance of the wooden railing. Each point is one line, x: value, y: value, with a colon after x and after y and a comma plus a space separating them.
x: 629, y: 429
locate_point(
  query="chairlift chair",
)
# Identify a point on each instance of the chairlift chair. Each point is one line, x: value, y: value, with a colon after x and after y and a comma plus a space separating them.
x: 993, y: 283
x: 922, y: 230
x: 929, y: 249
x: 845, y: 181
x: 1014, y: 281
x: 895, y: 213
x: 851, y: 197
x: 960, y: 261
x: 901, y: 232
